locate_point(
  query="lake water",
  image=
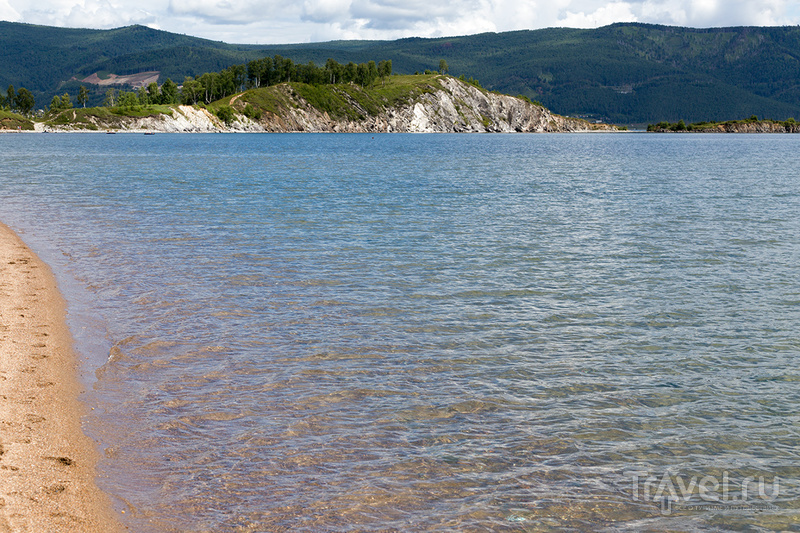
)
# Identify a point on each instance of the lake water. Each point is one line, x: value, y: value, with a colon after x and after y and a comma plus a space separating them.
x: 429, y: 332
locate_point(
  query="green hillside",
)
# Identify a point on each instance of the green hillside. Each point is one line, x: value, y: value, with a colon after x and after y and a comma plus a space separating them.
x: 44, y: 59
x: 623, y: 73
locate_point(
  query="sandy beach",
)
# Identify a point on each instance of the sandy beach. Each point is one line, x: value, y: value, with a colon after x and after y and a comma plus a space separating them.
x: 47, y: 464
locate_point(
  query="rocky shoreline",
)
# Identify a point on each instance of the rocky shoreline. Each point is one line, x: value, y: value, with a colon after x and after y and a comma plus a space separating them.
x: 734, y: 126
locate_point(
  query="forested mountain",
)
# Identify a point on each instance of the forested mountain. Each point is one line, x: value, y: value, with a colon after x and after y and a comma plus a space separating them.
x: 44, y: 59
x: 623, y: 73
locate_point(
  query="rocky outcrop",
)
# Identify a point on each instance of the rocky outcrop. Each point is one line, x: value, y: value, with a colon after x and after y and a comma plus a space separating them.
x: 755, y: 127
x: 184, y: 119
x: 453, y: 108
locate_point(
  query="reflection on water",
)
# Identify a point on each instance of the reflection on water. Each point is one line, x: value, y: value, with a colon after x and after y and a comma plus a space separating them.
x: 429, y: 332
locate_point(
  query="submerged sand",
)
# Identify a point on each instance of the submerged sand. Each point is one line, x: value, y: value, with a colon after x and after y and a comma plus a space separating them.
x: 47, y: 464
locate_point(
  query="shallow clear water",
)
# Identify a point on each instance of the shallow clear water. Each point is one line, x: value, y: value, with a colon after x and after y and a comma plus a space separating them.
x: 429, y: 332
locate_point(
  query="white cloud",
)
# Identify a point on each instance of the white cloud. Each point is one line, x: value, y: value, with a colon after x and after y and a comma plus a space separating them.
x: 326, y: 11
x: 608, y: 14
x: 394, y: 14
x: 8, y: 13
x: 104, y: 15
x: 234, y: 11
x: 664, y: 13
x: 284, y: 21
x: 516, y: 15
x: 85, y: 13
x: 715, y: 13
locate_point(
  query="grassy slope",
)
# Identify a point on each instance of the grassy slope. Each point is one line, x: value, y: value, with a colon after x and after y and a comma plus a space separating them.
x: 13, y: 121
x: 339, y: 101
x: 95, y: 118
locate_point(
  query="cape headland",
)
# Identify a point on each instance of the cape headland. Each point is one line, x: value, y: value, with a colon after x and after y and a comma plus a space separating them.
x: 414, y: 103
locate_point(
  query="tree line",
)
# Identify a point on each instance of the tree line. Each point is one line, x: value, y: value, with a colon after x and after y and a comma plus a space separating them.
x: 268, y: 71
x: 167, y: 94
x: 212, y: 86
x: 17, y: 100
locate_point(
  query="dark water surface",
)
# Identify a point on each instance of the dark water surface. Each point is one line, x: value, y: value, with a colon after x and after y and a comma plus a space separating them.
x: 429, y: 332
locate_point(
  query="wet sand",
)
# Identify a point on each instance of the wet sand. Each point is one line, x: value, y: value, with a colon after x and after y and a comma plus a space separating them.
x: 47, y: 464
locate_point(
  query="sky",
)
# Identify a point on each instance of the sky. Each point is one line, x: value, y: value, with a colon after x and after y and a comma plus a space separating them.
x: 301, y: 21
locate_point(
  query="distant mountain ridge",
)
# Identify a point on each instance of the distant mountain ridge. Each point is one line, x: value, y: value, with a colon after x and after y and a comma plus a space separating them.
x: 623, y: 73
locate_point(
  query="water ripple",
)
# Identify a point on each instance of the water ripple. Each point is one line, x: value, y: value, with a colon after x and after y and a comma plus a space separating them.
x: 349, y: 332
